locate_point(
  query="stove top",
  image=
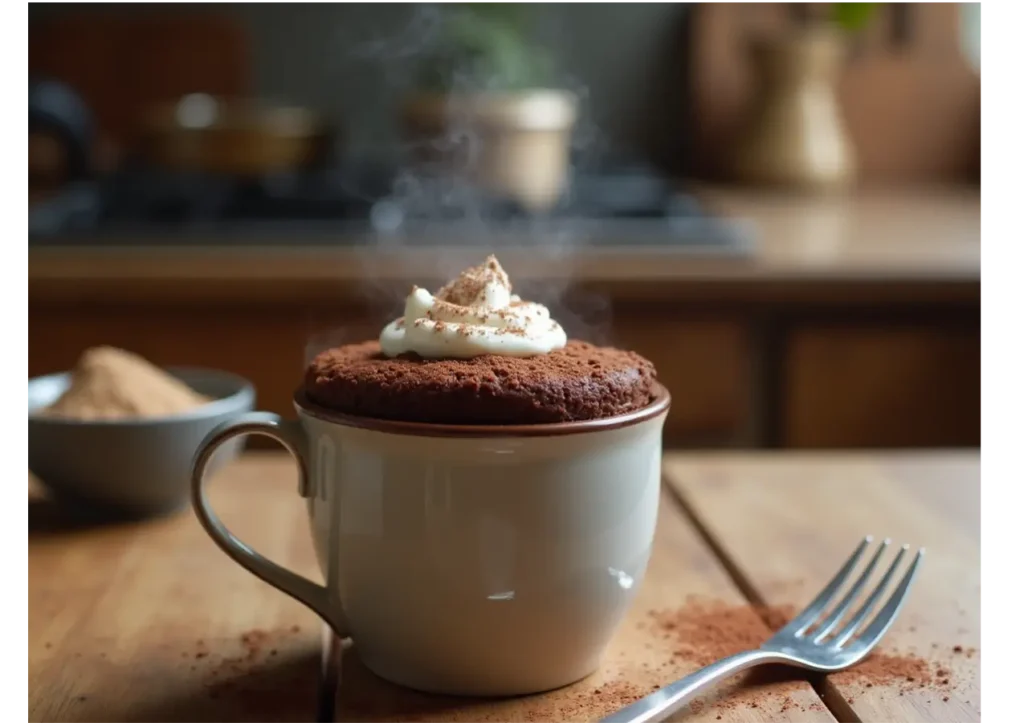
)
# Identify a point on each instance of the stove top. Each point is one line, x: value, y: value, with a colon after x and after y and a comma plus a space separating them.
x: 627, y: 205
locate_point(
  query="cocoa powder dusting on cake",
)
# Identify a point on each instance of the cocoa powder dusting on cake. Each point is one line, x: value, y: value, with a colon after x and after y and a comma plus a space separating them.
x: 578, y: 382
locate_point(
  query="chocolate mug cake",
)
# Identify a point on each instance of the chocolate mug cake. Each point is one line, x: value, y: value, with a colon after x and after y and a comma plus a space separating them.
x: 475, y: 353
x: 482, y: 491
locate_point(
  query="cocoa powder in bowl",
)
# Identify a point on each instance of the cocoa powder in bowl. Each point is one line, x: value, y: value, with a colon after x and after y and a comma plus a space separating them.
x: 109, y: 383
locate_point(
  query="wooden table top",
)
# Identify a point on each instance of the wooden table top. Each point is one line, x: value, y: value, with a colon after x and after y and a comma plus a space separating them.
x: 150, y: 621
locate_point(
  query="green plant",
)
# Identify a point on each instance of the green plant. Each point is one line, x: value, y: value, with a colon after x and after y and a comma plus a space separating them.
x: 852, y: 17
x: 486, y: 46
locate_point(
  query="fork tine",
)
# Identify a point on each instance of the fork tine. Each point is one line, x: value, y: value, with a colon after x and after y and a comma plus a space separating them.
x: 878, y: 627
x: 836, y: 616
x: 851, y: 628
x: 808, y: 615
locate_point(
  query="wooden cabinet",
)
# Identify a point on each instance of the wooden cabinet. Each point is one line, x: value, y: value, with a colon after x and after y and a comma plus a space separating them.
x: 704, y: 364
x: 737, y: 378
x: 862, y: 385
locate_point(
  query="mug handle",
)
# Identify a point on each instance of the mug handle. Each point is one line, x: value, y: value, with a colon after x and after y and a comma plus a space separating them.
x: 290, y: 435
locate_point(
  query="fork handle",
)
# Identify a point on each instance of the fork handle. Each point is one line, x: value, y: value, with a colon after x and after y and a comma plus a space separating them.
x: 662, y: 703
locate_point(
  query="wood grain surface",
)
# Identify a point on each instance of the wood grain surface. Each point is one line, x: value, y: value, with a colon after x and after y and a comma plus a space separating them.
x: 150, y: 621
x: 787, y: 523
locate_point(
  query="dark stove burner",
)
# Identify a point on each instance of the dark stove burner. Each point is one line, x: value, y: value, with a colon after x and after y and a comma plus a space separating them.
x: 291, y: 197
x: 167, y: 199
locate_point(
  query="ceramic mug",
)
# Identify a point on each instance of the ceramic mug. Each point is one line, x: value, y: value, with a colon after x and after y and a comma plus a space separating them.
x: 467, y: 560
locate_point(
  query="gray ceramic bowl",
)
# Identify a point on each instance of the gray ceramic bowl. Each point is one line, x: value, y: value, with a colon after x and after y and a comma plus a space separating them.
x: 129, y: 468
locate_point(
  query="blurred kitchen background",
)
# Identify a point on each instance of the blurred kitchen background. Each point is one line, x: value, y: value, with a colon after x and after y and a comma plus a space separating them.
x: 778, y: 204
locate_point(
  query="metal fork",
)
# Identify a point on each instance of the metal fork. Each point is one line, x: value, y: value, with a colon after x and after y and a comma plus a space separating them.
x: 811, y: 640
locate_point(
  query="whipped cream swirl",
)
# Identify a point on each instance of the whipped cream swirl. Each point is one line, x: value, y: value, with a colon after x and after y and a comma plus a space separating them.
x: 474, y: 315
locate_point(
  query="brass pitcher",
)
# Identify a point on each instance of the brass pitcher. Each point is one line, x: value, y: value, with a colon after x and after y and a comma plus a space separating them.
x: 797, y: 137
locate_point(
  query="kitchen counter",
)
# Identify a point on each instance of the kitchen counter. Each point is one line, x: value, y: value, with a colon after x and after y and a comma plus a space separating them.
x: 898, y: 243
x: 150, y: 621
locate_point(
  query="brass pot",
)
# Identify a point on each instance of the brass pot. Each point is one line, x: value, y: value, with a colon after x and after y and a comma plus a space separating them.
x: 796, y: 136
x: 236, y: 137
x: 514, y: 144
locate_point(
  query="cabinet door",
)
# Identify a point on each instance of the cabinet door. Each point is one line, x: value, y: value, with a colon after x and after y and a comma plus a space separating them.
x: 862, y: 386
x: 705, y: 366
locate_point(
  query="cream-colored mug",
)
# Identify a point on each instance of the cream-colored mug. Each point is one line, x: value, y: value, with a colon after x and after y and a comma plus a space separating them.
x: 472, y: 560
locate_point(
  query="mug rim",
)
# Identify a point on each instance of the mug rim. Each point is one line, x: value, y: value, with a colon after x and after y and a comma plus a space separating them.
x: 659, y: 405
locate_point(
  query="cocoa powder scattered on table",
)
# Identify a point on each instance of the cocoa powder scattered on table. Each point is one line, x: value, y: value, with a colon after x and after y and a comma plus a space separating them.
x: 696, y: 634
x: 703, y: 631
x: 239, y: 675
x: 584, y: 705
x: 903, y: 672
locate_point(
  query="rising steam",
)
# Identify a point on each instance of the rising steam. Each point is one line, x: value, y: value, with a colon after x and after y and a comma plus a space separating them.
x: 434, y: 186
